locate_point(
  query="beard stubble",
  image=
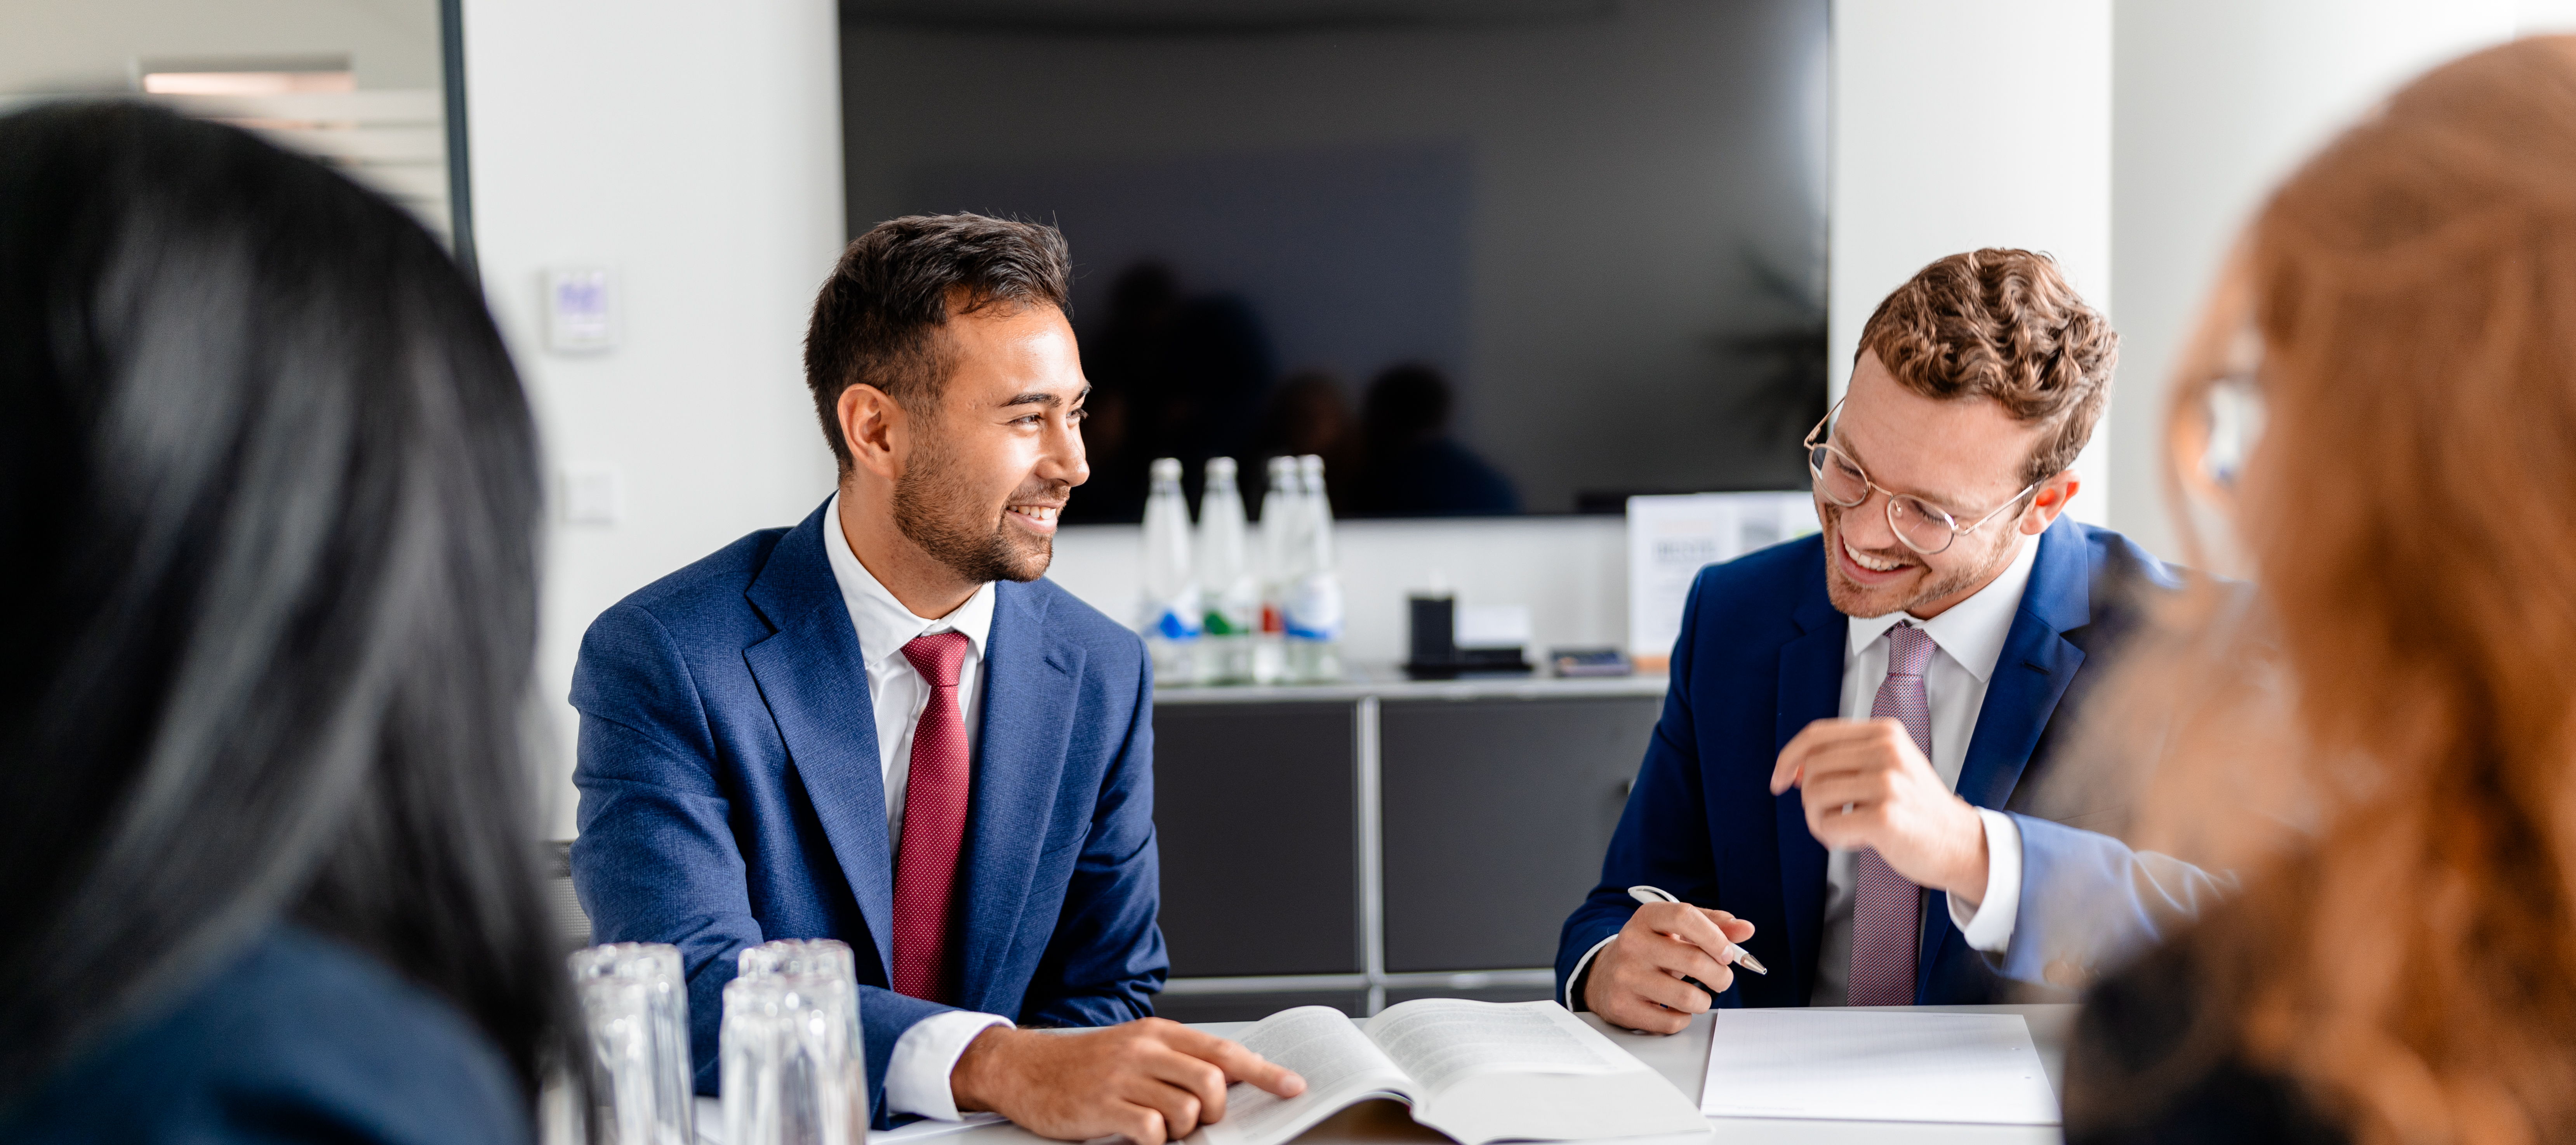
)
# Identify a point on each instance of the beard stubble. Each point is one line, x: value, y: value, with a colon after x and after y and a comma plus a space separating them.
x: 935, y: 510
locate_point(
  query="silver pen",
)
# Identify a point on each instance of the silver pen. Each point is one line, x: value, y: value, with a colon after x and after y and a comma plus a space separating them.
x: 1735, y: 954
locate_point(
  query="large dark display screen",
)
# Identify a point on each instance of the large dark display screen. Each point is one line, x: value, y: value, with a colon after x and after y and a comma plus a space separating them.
x: 1484, y: 256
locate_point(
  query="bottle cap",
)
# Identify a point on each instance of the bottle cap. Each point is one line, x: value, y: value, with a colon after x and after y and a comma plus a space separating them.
x: 1220, y: 467
x: 1166, y: 469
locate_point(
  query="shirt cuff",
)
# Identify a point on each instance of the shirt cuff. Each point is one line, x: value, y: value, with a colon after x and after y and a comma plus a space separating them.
x: 1989, y: 927
x: 1574, y: 981
x: 916, y: 1079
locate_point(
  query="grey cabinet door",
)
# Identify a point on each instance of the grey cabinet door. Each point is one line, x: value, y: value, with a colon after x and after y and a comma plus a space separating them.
x: 1497, y: 814
x: 1253, y: 807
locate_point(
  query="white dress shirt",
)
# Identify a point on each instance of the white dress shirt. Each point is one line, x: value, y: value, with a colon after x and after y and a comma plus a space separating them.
x: 1969, y: 638
x: 917, y: 1074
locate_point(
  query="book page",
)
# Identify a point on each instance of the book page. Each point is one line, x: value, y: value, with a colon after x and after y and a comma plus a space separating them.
x: 1339, y: 1064
x: 1439, y: 1040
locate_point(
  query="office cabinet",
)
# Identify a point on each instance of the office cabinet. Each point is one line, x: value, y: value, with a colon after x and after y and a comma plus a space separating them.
x: 1252, y: 808
x: 1359, y: 844
x: 1497, y: 813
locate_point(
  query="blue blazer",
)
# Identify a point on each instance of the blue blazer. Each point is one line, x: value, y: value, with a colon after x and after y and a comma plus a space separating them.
x: 295, y: 1038
x: 1760, y: 656
x: 731, y: 793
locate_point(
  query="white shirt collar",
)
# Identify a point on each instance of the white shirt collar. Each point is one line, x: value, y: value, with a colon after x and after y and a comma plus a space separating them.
x: 1973, y: 630
x: 884, y: 624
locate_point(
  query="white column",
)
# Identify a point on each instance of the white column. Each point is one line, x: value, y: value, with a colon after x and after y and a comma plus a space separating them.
x: 2214, y: 101
x: 696, y: 150
x: 1968, y: 123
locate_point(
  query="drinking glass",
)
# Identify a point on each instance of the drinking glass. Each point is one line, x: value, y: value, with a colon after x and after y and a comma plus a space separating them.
x: 635, y: 1003
x: 790, y: 1065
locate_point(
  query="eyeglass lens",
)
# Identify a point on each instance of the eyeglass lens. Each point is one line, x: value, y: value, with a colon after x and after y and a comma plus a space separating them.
x: 1923, y: 528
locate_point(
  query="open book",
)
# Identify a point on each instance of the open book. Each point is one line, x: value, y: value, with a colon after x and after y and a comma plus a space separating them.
x: 1477, y: 1071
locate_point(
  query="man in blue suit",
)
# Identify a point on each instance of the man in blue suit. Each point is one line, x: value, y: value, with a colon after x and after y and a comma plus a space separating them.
x: 1841, y: 781
x: 882, y: 727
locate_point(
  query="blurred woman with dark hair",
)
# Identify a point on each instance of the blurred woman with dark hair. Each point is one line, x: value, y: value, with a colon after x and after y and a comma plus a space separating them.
x: 2382, y: 736
x: 269, y: 487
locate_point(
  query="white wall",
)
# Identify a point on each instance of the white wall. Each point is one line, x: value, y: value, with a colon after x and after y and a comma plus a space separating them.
x: 695, y: 149
x: 2215, y: 101
x: 1968, y: 123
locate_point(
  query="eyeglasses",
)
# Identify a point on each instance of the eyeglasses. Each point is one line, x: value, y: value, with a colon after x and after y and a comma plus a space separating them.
x: 1920, y: 524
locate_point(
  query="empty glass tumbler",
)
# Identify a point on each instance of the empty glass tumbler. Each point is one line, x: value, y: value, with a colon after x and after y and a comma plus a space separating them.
x: 635, y: 1003
x: 790, y: 1061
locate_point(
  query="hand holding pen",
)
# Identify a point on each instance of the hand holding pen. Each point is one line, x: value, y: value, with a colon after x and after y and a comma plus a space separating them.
x: 1669, y: 962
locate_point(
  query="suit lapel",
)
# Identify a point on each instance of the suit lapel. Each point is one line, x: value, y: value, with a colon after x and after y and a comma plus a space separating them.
x: 1029, y: 696
x: 1811, y: 689
x: 2036, y: 666
x: 814, y: 679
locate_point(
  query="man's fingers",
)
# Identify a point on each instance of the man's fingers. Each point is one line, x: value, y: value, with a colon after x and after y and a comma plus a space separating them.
x: 1689, y: 924
x: 1669, y: 991
x: 1197, y: 1079
x: 1138, y: 1123
x: 1179, y: 1107
x: 1236, y: 1062
x: 1807, y: 750
x: 1735, y: 929
x: 1678, y: 959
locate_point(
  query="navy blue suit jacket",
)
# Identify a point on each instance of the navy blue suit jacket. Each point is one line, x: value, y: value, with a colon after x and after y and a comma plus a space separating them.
x: 297, y: 1038
x: 731, y: 793
x: 1760, y: 657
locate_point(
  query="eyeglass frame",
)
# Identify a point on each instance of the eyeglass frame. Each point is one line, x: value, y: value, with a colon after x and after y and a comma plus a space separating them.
x: 1817, y: 440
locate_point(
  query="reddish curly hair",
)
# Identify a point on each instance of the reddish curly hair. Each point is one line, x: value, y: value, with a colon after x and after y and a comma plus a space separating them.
x: 2002, y: 324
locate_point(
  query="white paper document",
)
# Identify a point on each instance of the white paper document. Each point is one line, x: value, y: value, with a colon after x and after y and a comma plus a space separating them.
x: 1846, y: 1065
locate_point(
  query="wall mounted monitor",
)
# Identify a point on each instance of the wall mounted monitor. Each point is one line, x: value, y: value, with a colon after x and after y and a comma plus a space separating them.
x: 1484, y: 256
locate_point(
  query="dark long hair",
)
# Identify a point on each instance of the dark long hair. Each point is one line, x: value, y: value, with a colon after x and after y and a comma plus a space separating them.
x: 268, y: 485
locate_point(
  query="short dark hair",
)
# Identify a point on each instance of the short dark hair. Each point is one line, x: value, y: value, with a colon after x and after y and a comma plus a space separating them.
x: 2002, y: 324
x: 274, y: 490
x: 876, y: 319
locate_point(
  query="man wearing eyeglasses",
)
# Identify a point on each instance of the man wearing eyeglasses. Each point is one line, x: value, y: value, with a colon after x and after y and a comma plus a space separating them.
x: 1838, y: 785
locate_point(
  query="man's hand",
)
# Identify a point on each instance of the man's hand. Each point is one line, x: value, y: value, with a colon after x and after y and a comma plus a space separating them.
x: 1636, y: 981
x: 1151, y: 1080
x: 1865, y: 784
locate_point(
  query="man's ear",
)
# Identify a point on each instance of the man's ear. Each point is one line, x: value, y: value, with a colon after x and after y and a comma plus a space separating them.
x: 873, y: 430
x: 2048, y: 502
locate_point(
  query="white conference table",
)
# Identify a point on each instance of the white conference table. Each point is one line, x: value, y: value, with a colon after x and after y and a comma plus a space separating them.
x: 1683, y: 1059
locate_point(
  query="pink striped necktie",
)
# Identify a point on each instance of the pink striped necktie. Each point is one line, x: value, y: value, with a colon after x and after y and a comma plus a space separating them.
x: 934, y: 824
x: 1887, y: 908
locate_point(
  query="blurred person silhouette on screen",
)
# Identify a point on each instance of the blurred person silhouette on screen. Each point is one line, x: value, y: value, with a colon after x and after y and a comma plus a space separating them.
x: 267, y: 846
x: 1179, y: 375
x: 1843, y: 778
x: 1308, y: 414
x: 1414, y: 467
x: 885, y: 726
x: 2377, y: 422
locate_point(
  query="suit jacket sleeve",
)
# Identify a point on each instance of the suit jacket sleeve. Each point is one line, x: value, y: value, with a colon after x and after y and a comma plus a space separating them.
x: 2089, y: 902
x: 656, y: 860
x: 1662, y: 838
x: 1106, y: 961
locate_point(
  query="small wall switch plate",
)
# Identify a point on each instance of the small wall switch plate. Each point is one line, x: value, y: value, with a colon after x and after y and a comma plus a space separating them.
x: 593, y: 495
x: 581, y: 310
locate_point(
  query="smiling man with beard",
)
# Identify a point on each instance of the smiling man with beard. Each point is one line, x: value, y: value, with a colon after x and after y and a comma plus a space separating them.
x: 1840, y: 780
x: 882, y: 727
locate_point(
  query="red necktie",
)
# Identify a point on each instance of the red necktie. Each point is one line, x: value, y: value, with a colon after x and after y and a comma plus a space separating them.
x: 1887, y: 908
x: 934, y: 823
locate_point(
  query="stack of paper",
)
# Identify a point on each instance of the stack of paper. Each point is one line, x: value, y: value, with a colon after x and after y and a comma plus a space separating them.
x: 1854, y: 1065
